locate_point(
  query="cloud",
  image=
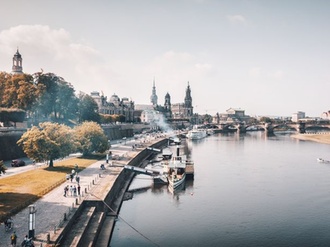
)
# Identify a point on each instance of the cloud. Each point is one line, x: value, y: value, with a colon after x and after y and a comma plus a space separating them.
x: 255, y: 72
x: 236, y: 19
x: 54, y: 50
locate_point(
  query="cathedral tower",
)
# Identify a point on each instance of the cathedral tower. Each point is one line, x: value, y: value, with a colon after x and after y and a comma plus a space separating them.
x: 188, y: 108
x: 17, y: 63
x: 153, y: 96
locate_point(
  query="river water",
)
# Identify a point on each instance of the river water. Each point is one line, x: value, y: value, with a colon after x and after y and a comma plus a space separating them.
x: 249, y: 190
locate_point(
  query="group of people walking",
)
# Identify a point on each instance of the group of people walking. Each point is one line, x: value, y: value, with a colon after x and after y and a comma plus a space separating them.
x: 72, y: 190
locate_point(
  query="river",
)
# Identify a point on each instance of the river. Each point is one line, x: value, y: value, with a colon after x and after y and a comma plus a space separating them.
x: 249, y: 190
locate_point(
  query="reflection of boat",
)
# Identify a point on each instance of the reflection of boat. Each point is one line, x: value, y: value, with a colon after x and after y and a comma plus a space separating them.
x: 176, y: 170
x: 196, y: 133
x: 322, y: 160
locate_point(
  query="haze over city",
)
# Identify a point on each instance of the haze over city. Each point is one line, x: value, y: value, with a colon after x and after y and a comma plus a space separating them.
x: 266, y: 57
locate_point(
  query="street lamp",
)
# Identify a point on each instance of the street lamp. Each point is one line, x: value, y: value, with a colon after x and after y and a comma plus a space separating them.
x: 32, y: 220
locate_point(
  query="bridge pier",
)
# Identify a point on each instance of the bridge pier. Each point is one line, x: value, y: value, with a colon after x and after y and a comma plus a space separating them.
x: 301, y: 128
x: 269, y: 128
x: 241, y: 128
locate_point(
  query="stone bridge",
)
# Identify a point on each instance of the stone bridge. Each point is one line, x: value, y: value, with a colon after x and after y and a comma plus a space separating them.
x: 269, y: 127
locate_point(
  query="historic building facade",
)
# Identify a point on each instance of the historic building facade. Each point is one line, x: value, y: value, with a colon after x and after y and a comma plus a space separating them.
x: 176, y: 111
x: 114, y: 106
x: 17, y: 67
x: 154, y: 97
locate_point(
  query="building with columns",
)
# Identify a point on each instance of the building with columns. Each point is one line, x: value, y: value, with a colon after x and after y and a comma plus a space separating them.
x: 17, y: 64
x: 114, y: 106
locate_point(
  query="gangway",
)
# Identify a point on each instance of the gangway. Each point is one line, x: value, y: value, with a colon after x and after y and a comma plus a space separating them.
x: 142, y: 170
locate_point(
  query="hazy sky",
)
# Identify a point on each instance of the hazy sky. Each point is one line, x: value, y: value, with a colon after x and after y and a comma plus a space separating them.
x: 266, y: 57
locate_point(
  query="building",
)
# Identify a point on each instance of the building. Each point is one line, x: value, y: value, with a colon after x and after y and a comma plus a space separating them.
x: 183, y: 110
x: 114, y: 106
x: 298, y: 115
x: 232, y: 115
x: 326, y: 115
x: 153, y: 97
x: 17, y: 63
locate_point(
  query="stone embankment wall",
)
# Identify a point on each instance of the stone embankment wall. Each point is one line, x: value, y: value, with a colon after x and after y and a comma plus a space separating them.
x: 102, y: 231
x: 8, y: 145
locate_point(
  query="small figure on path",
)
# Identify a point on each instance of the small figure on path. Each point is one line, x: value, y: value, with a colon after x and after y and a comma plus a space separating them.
x: 102, y: 167
x: 71, y: 177
x: 65, y: 190
x: 74, y: 191
x: 78, y: 189
x: 71, y: 190
x: 13, y: 239
x: 77, y: 178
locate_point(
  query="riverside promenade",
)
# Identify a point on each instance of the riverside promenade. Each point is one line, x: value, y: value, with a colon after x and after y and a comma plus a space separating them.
x: 54, y: 210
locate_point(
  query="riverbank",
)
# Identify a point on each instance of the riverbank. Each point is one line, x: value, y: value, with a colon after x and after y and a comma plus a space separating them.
x: 321, y: 138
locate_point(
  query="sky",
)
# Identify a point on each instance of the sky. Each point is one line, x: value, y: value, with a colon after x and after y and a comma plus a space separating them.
x: 269, y: 58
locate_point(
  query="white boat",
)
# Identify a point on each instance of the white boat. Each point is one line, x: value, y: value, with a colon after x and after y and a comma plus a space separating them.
x: 176, y: 170
x: 196, y: 133
x: 320, y: 160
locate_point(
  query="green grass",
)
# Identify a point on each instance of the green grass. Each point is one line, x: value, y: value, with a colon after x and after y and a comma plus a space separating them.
x: 21, y: 190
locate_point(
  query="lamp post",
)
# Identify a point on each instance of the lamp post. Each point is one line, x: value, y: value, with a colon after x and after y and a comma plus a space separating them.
x: 32, y: 220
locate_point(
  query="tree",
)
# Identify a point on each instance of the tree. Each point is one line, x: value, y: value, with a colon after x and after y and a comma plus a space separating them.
x: 88, y: 109
x: 48, y: 142
x: 3, y: 168
x: 18, y: 91
x: 58, y: 99
x: 90, y: 138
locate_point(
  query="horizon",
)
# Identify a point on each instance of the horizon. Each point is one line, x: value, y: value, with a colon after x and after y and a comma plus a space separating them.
x: 268, y: 58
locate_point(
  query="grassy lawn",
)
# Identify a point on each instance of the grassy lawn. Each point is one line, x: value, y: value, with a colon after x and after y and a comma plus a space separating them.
x: 21, y: 190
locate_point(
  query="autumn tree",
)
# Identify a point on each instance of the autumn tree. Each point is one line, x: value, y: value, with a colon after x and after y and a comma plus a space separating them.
x: 18, y: 91
x: 3, y: 168
x: 49, y: 141
x: 90, y: 138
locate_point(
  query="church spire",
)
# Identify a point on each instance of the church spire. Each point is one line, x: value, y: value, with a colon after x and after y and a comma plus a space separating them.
x: 153, y: 97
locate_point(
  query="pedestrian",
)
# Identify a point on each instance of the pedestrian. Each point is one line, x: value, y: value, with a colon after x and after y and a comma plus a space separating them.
x: 66, y: 190
x: 77, y: 179
x: 74, y: 191
x: 13, y: 239
x: 71, y: 177
x: 78, y: 189
x: 71, y: 190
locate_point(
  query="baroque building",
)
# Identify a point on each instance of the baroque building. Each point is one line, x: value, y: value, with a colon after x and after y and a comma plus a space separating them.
x: 176, y: 111
x: 17, y: 63
x: 114, y: 106
x: 153, y: 97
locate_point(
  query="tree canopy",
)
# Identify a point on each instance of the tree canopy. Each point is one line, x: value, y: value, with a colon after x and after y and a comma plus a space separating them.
x: 49, y: 141
x: 90, y: 138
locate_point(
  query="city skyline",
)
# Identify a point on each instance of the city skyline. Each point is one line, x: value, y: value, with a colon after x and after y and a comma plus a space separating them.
x: 266, y: 57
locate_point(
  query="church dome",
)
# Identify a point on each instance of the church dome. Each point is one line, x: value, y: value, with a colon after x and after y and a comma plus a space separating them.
x: 114, y: 99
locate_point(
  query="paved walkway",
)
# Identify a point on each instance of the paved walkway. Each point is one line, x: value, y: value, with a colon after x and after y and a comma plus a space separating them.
x: 52, y: 207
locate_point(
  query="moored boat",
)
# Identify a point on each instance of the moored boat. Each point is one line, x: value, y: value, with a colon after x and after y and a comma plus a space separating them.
x: 196, y: 133
x: 176, y: 170
x: 320, y: 160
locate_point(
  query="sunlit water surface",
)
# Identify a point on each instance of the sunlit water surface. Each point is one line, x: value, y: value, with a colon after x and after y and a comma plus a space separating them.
x: 249, y: 190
